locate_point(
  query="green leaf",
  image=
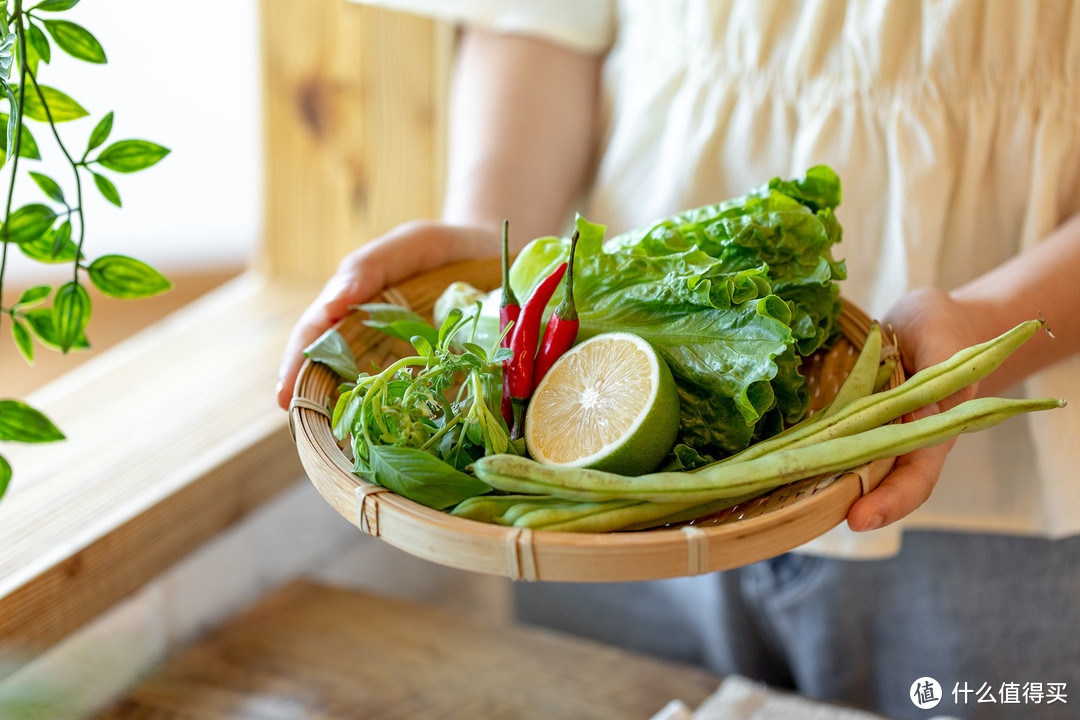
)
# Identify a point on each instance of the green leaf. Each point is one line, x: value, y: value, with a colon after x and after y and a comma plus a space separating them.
x: 7, y: 55
x: 23, y: 341
x: 21, y: 423
x: 129, y: 156
x: 120, y: 276
x: 476, y: 350
x: 107, y: 189
x: 53, y: 248
x: 450, y: 325
x: 29, y: 223
x: 12, y: 122
x: 100, y: 133
x: 56, y: 5
x: 33, y: 295
x: 421, y: 477
x: 62, y: 107
x: 37, y: 48
x: 28, y: 147
x: 423, y: 347
x: 5, y: 475
x: 63, y: 240
x: 76, y: 41
x: 398, y: 322
x: 49, y: 187
x: 332, y: 350
x: 71, y: 313
x: 40, y: 321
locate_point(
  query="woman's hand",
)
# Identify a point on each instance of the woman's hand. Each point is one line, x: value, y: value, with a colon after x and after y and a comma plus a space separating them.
x: 930, y: 327
x: 404, y: 251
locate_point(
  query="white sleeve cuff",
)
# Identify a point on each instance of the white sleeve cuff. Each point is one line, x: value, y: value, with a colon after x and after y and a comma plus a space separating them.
x: 586, y: 26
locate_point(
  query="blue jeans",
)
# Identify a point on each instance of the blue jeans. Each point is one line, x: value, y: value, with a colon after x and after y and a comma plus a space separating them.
x: 975, y: 612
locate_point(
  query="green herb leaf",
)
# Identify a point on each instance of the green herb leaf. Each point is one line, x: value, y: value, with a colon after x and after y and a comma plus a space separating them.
x: 450, y: 326
x: 345, y: 413
x: 129, y: 156
x: 49, y: 187
x: 40, y: 321
x: 28, y: 147
x: 5, y: 475
x: 100, y: 133
x: 107, y: 189
x: 62, y: 107
x: 476, y: 350
x: 332, y: 350
x: 23, y: 341
x: 398, y: 322
x: 120, y: 276
x: 56, y: 5
x: 29, y: 223
x: 37, y: 48
x: 71, y: 313
x: 21, y: 423
x: 76, y: 41
x: 421, y: 477
x: 33, y: 295
x: 423, y: 347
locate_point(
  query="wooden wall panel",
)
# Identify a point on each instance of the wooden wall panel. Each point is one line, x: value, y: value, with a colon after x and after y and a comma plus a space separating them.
x: 354, y: 128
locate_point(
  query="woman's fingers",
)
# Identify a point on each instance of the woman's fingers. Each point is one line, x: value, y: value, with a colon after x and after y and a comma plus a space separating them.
x: 408, y: 249
x: 343, y: 290
x: 905, y: 488
x: 930, y: 327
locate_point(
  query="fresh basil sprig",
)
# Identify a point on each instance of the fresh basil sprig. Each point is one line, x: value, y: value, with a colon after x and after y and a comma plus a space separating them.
x: 53, y: 230
x: 417, y: 424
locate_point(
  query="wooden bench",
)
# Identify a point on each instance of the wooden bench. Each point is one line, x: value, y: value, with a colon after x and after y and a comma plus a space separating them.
x: 312, y: 651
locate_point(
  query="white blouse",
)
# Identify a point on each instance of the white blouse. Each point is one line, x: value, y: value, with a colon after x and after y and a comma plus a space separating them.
x: 954, y: 127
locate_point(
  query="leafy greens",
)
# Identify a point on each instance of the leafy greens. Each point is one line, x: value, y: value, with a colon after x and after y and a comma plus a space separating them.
x: 731, y: 295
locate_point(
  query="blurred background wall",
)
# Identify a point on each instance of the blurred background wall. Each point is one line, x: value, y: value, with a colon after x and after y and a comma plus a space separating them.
x: 185, y: 75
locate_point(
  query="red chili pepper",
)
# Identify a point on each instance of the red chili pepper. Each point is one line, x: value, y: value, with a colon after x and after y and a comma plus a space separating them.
x: 523, y: 344
x: 562, y: 328
x: 509, y: 310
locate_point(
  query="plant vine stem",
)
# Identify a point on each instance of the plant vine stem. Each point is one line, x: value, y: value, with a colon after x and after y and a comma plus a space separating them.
x: 63, y: 149
x: 23, y: 70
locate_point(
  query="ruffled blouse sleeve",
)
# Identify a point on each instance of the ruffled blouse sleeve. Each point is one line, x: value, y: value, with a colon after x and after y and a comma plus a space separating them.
x: 583, y: 25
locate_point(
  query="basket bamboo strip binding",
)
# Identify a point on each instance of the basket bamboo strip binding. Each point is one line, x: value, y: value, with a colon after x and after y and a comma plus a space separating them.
x: 755, y: 530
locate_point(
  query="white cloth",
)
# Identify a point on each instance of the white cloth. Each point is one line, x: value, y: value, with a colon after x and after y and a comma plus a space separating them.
x: 954, y: 127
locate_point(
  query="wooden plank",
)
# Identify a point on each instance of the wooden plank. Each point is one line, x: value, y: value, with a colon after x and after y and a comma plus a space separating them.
x: 310, y: 651
x: 113, y: 320
x: 173, y: 436
x: 354, y: 128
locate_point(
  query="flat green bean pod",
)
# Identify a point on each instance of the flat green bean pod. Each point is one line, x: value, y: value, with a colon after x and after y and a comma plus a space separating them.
x: 927, y: 386
x: 516, y: 474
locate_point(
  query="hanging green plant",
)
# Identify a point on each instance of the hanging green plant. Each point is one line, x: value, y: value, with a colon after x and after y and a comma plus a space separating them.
x: 53, y: 230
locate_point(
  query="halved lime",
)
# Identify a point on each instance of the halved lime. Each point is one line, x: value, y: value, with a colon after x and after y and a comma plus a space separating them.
x: 608, y: 403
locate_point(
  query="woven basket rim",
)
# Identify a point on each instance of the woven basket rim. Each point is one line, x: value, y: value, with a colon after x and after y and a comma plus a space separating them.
x: 543, y: 554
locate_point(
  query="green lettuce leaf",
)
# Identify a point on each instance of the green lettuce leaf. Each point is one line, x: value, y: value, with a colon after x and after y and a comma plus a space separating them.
x: 731, y: 295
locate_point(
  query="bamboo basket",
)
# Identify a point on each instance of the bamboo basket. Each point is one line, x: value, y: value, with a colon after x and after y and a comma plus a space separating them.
x: 755, y: 530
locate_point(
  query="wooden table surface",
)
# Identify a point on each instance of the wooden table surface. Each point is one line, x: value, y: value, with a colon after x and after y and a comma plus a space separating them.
x: 313, y: 652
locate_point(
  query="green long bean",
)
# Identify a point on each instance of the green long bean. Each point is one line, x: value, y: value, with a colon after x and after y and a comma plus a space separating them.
x: 516, y: 474
x: 927, y: 386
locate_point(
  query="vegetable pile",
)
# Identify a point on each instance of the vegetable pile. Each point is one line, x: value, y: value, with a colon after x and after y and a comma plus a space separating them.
x: 731, y: 296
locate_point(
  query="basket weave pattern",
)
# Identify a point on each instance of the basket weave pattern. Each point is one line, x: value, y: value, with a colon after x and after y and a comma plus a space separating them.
x: 757, y: 529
